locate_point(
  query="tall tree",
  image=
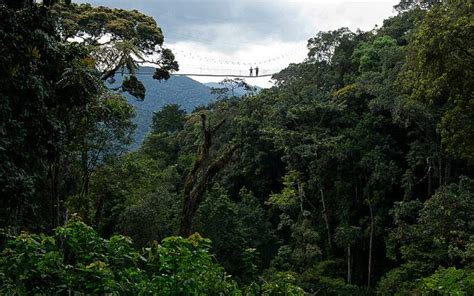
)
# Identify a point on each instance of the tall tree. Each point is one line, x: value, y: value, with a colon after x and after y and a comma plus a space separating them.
x: 119, y: 40
x: 201, y: 173
x: 439, y: 72
x: 36, y: 113
x: 55, y: 98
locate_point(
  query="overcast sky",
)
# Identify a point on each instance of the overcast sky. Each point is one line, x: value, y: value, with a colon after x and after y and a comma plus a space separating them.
x: 221, y: 36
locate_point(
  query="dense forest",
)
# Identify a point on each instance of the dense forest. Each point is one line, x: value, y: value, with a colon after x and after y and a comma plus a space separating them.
x: 353, y: 175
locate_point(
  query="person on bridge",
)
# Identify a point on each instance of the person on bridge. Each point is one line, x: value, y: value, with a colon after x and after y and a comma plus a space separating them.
x: 251, y: 71
x: 256, y: 71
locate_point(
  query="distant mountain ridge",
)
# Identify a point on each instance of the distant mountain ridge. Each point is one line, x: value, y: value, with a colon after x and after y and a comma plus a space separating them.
x: 181, y: 90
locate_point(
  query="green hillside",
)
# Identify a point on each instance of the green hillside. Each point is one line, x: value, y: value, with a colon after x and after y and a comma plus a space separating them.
x: 180, y: 90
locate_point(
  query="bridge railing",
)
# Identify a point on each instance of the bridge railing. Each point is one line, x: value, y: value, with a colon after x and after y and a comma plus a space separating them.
x: 221, y: 72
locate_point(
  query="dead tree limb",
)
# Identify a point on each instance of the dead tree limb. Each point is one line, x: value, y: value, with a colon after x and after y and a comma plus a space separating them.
x: 200, y: 176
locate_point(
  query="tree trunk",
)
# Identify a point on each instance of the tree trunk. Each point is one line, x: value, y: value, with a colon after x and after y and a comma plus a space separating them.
x: 85, y: 171
x: 349, y: 267
x: 369, y: 274
x: 55, y: 200
x: 99, y: 206
x: 199, y: 176
x: 429, y: 184
x: 326, y: 220
x: 189, y: 211
x: 301, y: 196
x: 194, y: 198
x: 440, y: 171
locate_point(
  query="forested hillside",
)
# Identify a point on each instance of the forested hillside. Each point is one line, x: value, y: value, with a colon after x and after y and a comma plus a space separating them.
x: 353, y: 175
x: 182, y: 91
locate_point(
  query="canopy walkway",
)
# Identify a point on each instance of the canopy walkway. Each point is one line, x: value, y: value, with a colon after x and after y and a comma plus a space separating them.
x: 222, y: 75
x: 208, y: 72
x: 220, y: 66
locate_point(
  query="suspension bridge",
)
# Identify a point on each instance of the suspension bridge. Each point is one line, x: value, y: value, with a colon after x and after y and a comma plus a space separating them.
x: 193, y: 64
x: 223, y: 75
x: 214, y: 72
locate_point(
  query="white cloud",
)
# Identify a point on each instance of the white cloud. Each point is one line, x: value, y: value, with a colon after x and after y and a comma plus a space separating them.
x: 196, y: 58
x: 230, y: 35
x: 236, y: 46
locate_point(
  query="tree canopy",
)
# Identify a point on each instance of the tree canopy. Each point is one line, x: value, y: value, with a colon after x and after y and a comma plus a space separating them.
x: 352, y: 175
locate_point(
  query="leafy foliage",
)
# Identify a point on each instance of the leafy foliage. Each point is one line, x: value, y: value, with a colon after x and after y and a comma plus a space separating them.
x: 119, y: 40
x: 449, y: 281
x: 424, y: 243
x: 441, y: 62
x: 76, y: 260
x: 53, y: 99
x: 353, y: 175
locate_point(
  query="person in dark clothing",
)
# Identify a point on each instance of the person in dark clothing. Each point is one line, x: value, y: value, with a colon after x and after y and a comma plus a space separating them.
x: 256, y: 71
x: 251, y: 71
